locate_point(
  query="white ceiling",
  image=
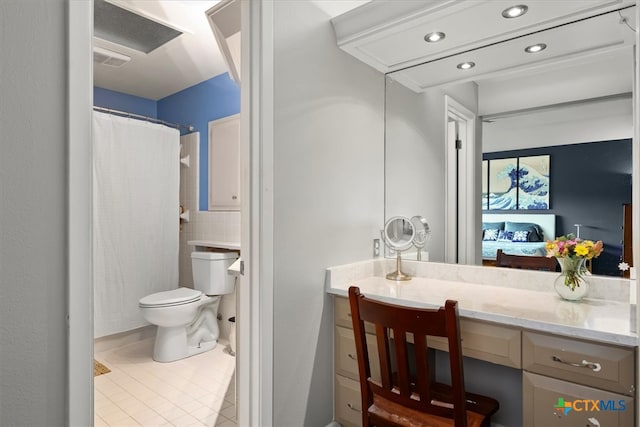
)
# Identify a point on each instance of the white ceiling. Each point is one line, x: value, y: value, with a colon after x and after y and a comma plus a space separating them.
x: 183, y: 62
x: 586, y: 60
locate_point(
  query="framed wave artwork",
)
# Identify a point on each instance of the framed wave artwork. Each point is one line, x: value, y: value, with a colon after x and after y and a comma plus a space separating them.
x: 516, y: 183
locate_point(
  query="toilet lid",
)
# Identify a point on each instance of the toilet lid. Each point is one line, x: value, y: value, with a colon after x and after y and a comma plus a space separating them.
x: 173, y: 297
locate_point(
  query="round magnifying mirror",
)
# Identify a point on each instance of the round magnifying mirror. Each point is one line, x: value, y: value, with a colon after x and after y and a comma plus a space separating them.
x: 399, y: 233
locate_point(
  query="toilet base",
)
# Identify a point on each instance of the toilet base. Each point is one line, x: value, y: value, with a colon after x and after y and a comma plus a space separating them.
x: 177, y: 342
x: 171, y: 345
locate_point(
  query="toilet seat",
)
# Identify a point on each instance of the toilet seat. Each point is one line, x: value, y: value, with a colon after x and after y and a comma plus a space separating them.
x: 170, y: 298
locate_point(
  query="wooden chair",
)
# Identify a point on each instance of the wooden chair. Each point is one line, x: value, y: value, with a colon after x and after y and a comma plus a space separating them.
x: 525, y: 262
x: 403, y: 398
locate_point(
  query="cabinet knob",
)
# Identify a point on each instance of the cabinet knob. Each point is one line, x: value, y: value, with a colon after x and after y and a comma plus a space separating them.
x: 234, y: 197
x: 353, y: 408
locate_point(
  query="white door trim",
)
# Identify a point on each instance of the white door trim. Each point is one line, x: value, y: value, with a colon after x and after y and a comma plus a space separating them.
x: 255, y: 311
x: 467, y: 200
x: 80, y: 291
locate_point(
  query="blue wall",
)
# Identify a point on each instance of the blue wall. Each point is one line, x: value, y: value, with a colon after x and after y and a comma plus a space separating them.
x: 121, y: 101
x: 588, y: 185
x: 197, y: 105
x: 210, y: 100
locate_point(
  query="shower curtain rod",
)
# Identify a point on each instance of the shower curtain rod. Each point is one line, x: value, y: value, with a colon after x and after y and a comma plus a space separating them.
x: 141, y: 117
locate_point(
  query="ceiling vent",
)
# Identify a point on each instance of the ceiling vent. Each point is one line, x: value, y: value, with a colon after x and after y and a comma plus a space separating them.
x: 129, y: 29
x: 109, y: 57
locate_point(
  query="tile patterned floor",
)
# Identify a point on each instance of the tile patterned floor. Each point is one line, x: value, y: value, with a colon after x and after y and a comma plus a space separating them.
x: 196, y: 391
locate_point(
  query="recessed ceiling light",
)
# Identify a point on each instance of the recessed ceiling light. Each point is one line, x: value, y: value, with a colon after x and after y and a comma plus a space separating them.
x: 434, y: 37
x: 466, y: 65
x: 535, y: 48
x: 515, y: 11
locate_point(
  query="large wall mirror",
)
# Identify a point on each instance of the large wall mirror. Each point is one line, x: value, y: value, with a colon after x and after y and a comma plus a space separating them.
x: 542, y: 137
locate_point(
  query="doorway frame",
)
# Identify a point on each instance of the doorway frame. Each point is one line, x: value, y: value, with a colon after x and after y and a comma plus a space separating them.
x: 254, y: 365
x: 461, y: 185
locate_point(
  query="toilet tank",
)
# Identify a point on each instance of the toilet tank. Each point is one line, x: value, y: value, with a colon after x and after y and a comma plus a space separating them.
x: 210, y: 272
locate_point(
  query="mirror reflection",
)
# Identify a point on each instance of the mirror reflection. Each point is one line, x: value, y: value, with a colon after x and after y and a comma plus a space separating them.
x: 548, y: 150
x: 399, y: 233
x: 422, y: 234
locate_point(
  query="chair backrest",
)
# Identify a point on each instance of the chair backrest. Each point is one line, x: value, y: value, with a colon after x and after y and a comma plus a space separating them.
x: 525, y: 262
x: 397, y: 383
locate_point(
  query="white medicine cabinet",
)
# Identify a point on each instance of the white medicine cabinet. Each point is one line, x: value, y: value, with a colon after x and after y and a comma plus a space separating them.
x: 224, y: 164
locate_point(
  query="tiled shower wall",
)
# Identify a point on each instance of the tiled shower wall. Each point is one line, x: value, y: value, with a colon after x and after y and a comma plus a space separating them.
x: 203, y: 225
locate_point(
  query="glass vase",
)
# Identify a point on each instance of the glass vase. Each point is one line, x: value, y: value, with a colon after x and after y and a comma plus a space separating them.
x: 572, y: 284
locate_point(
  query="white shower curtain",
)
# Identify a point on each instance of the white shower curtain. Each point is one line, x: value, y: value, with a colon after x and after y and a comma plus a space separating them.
x: 136, y: 180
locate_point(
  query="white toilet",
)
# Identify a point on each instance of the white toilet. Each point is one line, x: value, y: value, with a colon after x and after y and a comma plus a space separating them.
x: 187, y: 318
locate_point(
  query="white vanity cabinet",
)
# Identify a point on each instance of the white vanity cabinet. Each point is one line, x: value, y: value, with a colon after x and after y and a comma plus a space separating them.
x: 224, y: 164
x: 583, y: 372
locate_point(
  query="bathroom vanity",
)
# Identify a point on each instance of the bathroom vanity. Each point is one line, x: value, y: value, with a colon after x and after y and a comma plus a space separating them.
x: 579, y: 352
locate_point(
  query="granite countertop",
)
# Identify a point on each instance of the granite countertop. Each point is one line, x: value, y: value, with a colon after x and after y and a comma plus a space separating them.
x: 533, y: 305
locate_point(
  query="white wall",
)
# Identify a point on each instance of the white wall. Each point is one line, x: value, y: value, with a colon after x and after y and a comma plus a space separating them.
x: 601, y: 121
x: 328, y: 198
x: 33, y: 246
x: 415, y: 168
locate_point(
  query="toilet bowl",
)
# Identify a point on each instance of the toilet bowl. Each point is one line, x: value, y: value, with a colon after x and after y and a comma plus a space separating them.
x: 187, y: 318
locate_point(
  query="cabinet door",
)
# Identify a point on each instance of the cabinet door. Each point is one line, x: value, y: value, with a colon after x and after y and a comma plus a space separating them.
x: 348, y: 401
x: 346, y: 361
x: 551, y: 402
x: 224, y: 164
x: 342, y: 315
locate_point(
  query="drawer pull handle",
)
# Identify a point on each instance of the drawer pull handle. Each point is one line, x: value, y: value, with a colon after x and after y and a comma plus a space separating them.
x: 353, y: 408
x: 352, y: 357
x: 594, y: 366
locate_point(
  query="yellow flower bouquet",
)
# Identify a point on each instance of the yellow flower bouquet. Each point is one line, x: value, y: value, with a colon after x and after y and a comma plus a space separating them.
x: 571, y: 253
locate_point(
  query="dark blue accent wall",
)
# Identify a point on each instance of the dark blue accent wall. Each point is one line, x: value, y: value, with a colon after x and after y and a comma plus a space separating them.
x: 197, y: 105
x: 588, y: 184
x: 121, y: 101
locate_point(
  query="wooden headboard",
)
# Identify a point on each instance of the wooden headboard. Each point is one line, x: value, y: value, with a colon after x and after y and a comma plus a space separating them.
x: 546, y: 221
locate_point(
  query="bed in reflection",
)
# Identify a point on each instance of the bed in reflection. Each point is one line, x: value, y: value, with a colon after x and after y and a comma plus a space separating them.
x: 516, y: 234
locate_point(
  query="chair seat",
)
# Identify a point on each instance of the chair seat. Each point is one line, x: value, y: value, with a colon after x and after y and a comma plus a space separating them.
x: 385, y: 412
x: 478, y: 403
x: 479, y: 409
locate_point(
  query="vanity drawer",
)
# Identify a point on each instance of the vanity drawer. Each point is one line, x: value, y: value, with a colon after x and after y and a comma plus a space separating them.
x: 347, y: 402
x: 346, y: 362
x: 589, y: 406
x: 342, y: 315
x: 599, y: 365
x: 486, y: 341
